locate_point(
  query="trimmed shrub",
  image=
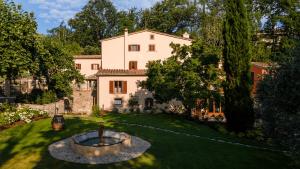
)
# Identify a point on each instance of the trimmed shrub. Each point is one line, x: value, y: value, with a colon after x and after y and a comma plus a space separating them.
x: 96, y: 111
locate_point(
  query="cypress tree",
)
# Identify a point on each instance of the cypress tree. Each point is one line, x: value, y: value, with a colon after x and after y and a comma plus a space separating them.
x: 237, y: 56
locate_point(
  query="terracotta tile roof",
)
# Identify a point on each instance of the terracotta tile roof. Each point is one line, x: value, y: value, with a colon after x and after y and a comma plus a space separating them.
x: 261, y: 64
x: 91, y: 77
x: 87, y: 56
x: 148, y: 30
x: 121, y: 72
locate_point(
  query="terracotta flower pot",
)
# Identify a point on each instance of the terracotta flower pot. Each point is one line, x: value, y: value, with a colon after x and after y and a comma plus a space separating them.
x: 58, y: 122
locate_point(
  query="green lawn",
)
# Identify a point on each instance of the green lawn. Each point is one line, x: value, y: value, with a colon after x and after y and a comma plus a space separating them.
x: 26, y: 146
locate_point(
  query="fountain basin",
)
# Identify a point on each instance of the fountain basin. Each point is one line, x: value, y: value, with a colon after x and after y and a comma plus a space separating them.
x: 87, y: 144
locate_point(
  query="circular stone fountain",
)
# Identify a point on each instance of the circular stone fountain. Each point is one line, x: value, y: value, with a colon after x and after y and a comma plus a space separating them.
x: 99, y: 147
x: 90, y: 144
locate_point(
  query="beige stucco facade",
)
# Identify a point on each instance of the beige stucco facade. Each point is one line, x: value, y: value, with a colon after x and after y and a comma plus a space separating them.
x: 83, y: 64
x: 115, y: 53
x: 106, y: 100
x: 86, y: 64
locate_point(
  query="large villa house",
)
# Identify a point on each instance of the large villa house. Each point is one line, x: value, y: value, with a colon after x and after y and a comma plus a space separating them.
x: 116, y: 73
x: 113, y: 78
x: 121, y: 66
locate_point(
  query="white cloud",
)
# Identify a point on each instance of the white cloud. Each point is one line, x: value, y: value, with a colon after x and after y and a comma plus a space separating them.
x: 58, y: 10
x: 63, y: 10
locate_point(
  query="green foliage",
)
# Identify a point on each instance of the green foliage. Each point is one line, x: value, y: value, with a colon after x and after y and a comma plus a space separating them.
x: 37, y: 96
x: 237, y: 88
x: 188, y: 75
x: 56, y: 65
x: 128, y: 20
x: 25, y: 114
x: 91, y: 50
x: 261, y: 52
x: 46, y: 98
x: 96, y: 111
x: 176, y: 16
x: 279, y: 96
x: 17, y: 39
x: 73, y: 48
x: 133, y: 104
x: 256, y: 133
x: 62, y: 33
x: 133, y: 101
x: 96, y: 21
x: 7, y: 107
x: 283, y: 20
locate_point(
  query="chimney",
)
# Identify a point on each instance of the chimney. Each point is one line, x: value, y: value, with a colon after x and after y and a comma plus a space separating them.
x: 186, y: 35
x: 125, y: 45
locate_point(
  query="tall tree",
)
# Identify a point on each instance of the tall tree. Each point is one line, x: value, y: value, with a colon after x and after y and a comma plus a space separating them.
x: 56, y: 65
x: 173, y: 17
x: 237, y: 88
x: 279, y: 97
x: 282, y: 22
x: 211, y: 26
x: 128, y: 19
x: 62, y: 33
x: 96, y: 21
x: 17, y: 39
x: 188, y: 75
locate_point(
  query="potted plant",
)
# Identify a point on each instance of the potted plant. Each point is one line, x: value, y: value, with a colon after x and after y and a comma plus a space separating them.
x: 58, y: 121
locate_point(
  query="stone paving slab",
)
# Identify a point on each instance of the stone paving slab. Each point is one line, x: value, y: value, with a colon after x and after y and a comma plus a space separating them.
x: 62, y: 150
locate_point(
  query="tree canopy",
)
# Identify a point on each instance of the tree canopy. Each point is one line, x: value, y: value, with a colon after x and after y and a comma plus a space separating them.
x: 237, y: 57
x: 17, y: 40
x: 96, y: 21
x: 56, y: 65
x: 188, y: 75
x: 23, y: 51
x: 175, y: 17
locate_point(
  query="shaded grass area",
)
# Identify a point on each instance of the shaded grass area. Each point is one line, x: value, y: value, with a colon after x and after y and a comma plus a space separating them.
x: 26, y: 146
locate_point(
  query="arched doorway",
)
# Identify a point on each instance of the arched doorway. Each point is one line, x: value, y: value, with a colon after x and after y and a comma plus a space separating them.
x: 148, y: 103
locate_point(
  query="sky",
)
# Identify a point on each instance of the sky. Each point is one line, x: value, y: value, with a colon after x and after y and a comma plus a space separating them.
x: 50, y: 13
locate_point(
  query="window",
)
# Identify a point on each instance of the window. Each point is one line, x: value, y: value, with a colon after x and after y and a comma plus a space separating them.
x: 78, y: 66
x: 151, y: 37
x: 117, y: 87
x: 133, y: 47
x: 118, y: 102
x: 95, y: 66
x: 132, y: 65
x: 152, y: 48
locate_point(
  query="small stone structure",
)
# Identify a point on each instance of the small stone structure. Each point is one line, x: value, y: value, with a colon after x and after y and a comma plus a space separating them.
x: 123, y: 140
x: 63, y: 150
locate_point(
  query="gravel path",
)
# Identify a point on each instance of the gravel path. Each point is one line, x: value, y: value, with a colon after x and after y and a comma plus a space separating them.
x: 61, y: 150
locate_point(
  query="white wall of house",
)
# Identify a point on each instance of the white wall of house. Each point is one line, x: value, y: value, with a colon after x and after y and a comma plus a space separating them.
x: 116, y: 55
x: 86, y: 68
x: 106, y: 100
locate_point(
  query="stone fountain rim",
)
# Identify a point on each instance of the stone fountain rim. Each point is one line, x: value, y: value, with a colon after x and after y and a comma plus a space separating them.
x: 62, y: 150
x: 95, y: 131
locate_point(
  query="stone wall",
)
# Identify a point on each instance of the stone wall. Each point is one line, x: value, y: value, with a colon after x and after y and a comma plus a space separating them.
x: 82, y: 101
x: 50, y: 108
